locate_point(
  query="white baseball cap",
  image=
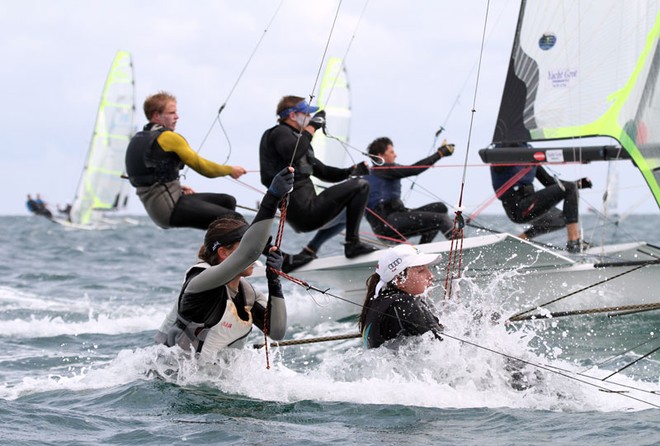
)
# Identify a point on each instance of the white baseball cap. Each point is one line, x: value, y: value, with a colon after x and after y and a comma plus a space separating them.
x: 396, y: 259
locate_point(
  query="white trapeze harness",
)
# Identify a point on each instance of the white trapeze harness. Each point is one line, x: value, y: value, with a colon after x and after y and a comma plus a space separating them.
x: 230, y: 331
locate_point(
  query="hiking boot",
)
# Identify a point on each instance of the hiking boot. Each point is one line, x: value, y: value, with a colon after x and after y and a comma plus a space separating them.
x: 577, y: 246
x: 295, y: 261
x: 357, y: 248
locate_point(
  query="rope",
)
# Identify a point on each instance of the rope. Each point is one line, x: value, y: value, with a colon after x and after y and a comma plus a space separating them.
x: 348, y: 47
x: 265, y: 330
x: 550, y: 369
x: 521, y: 315
x: 403, y: 238
x: 311, y: 340
x: 622, y: 308
x: 455, y: 256
x: 499, y: 192
x: 316, y: 80
x: 634, y: 362
x: 224, y: 104
x: 455, y: 261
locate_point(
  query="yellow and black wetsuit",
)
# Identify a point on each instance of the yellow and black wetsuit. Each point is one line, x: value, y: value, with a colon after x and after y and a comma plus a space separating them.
x: 153, y: 159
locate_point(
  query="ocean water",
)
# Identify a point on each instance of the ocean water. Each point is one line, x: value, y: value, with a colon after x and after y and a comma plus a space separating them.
x: 78, y: 365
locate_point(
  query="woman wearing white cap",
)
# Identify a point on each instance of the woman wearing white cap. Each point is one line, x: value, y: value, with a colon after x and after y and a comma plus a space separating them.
x: 394, y: 305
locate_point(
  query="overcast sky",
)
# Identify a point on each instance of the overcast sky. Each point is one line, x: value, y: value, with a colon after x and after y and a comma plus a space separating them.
x: 411, y: 66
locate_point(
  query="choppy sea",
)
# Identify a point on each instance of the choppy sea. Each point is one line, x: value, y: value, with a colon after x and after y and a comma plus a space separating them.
x: 78, y: 310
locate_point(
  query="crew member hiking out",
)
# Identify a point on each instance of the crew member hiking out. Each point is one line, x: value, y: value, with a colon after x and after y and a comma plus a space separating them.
x: 388, y: 215
x: 289, y: 142
x: 154, y: 158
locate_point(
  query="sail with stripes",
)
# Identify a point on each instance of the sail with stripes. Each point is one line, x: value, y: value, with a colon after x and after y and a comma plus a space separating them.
x: 334, y: 98
x: 101, y: 188
x: 581, y: 69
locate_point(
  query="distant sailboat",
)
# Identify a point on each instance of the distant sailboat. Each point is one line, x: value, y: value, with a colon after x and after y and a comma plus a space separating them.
x: 101, y: 188
x: 334, y: 98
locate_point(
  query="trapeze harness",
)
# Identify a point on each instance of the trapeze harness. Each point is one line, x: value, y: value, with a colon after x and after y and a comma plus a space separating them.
x: 227, y: 324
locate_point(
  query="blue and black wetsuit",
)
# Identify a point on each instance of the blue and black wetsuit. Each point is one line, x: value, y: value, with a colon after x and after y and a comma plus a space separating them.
x: 385, y: 201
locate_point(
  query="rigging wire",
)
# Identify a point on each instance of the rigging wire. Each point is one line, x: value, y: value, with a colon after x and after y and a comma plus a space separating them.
x: 444, y: 124
x: 348, y: 47
x: 217, y: 119
x: 455, y: 257
x: 318, y: 75
x: 524, y: 315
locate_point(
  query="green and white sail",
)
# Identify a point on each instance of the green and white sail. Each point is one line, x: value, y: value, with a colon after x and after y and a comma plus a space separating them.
x: 334, y: 98
x: 586, y: 68
x: 101, y: 187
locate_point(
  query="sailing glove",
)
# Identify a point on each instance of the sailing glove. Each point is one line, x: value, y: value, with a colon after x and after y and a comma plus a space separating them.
x: 274, y: 260
x: 318, y: 120
x: 282, y: 183
x: 358, y: 170
x: 446, y: 150
x: 584, y: 183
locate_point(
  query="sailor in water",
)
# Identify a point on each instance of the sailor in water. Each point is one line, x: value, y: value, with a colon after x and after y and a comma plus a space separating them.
x: 153, y: 159
x: 217, y: 306
x: 395, y: 306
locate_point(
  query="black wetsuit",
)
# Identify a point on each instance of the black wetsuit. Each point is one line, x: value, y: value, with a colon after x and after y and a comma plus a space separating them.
x: 523, y: 204
x: 154, y: 171
x: 307, y: 211
x: 394, y: 313
x: 385, y: 201
x: 206, y: 301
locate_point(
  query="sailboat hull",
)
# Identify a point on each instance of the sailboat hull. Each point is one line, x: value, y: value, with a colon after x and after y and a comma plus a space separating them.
x: 516, y: 277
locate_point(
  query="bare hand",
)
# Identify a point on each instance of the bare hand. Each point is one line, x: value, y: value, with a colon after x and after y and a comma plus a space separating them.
x: 237, y: 172
x: 187, y: 190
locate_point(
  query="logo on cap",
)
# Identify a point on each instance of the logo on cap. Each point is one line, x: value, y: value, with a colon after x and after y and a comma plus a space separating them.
x: 392, y: 266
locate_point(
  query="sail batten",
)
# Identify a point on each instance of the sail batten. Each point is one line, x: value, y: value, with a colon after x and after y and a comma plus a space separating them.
x: 101, y: 187
x: 334, y: 98
x: 586, y: 68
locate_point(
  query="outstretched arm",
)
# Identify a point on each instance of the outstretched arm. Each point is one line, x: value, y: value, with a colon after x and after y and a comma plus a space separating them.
x: 253, y: 242
x: 173, y: 142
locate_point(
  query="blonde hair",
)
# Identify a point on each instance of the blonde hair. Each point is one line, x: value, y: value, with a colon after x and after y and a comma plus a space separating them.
x: 156, y: 103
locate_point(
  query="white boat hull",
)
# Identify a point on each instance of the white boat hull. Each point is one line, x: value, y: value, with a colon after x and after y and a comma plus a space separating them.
x: 535, y: 280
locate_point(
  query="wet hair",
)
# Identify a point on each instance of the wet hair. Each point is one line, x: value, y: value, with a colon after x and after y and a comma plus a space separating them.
x: 225, y: 231
x: 156, y: 103
x: 379, y: 145
x: 286, y: 102
x: 372, y: 281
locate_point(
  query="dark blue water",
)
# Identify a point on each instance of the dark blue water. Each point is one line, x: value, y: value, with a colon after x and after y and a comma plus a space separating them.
x: 79, y: 309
